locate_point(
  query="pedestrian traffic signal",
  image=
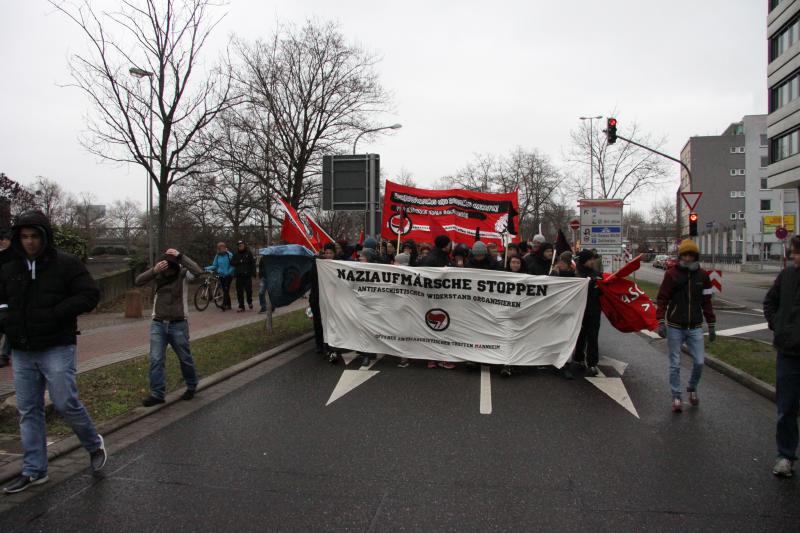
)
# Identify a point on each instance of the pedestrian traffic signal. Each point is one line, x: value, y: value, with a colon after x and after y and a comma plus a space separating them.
x: 692, y: 224
x: 611, y: 130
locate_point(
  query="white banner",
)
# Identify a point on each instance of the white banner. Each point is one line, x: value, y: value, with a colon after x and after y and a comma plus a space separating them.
x: 451, y: 314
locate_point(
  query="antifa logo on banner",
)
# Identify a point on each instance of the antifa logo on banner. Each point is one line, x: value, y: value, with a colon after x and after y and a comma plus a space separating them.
x: 394, y: 224
x: 292, y: 281
x: 437, y: 319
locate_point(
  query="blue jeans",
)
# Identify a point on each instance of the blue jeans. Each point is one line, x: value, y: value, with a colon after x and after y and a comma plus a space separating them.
x: 262, y: 290
x: 694, y: 341
x: 787, y: 400
x: 176, y: 335
x: 54, y: 367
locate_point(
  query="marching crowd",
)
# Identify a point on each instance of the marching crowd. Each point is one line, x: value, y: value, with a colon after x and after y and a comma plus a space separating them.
x: 43, y: 290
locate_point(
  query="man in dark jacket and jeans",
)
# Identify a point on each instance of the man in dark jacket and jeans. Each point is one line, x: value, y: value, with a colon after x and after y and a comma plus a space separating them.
x: 245, y: 269
x: 170, y: 324
x: 42, y: 292
x: 587, y: 349
x: 683, y: 300
x: 782, y: 311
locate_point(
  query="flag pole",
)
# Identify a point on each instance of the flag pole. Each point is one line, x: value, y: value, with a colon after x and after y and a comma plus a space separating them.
x: 400, y: 227
x: 505, y: 250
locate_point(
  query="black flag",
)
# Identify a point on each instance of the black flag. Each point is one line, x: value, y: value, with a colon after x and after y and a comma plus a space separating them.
x: 562, y: 244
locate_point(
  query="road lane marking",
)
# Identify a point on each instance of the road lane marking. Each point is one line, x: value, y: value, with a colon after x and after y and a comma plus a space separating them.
x: 651, y: 334
x: 743, y: 329
x: 616, y: 364
x: 486, y: 390
x: 759, y: 310
x: 614, y: 388
x: 760, y: 315
x: 350, y: 380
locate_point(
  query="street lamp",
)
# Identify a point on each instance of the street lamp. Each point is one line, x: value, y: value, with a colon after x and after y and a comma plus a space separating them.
x: 392, y: 127
x: 141, y: 73
x: 591, y: 151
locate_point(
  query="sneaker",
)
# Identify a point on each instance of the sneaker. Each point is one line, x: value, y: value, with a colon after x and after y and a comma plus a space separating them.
x: 333, y: 357
x: 23, y: 482
x: 431, y: 364
x: 188, y: 395
x: 240, y: 310
x: 404, y: 363
x: 250, y: 305
x: 150, y: 401
x: 783, y: 467
x: 262, y: 310
x: 505, y: 371
x: 592, y: 371
x: 447, y: 364
x: 98, y: 457
x: 693, y: 399
x: 677, y: 405
x: 364, y: 360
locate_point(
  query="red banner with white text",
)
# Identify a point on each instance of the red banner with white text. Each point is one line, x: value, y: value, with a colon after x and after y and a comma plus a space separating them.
x: 422, y: 214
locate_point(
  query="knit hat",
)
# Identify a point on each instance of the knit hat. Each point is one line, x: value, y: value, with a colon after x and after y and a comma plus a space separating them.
x: 441, y: 241
x: 461, y: 249
x: 369, y: 253
x: 539, y: 238
x: 688, y: 246
x: 402, y: 259
x: 566, y: 257
x: 479, y: 248
x: 329, y: 246
x: 583, y: 256
x: 370, y: 242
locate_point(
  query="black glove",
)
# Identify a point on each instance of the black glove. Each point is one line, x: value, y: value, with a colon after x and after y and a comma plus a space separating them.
x: 712, y: 333
x: 662, y: 330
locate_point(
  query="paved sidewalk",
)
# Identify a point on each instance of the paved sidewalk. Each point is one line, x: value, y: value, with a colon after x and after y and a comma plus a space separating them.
x: 107, y: 345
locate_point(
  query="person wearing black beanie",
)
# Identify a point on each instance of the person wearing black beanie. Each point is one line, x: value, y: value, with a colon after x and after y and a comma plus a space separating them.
x: 587, y: 349
x: 439, y: 256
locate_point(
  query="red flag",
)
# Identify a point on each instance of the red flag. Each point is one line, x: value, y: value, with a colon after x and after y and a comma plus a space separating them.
x: 436, y: 228
x: 321, y: 237
x: 361, y: 238
x: 625, y: 305
x: 294, y: 229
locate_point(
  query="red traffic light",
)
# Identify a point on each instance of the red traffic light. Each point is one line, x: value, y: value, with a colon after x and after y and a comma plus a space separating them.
x: 692, y: 217
x: 612, y: 122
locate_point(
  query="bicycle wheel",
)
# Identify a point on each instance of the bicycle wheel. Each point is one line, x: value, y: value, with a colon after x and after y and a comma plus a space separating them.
x: 218, y: 295
x: 201, y: 299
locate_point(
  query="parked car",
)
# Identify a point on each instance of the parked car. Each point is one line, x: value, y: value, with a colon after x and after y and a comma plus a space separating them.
x: 660, y: 261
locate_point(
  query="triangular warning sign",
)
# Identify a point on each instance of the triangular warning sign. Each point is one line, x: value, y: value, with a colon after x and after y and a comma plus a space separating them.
x: 691, y: 199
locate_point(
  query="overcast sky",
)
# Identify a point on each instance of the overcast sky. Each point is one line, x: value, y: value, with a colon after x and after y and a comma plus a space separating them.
x: 466, y: 77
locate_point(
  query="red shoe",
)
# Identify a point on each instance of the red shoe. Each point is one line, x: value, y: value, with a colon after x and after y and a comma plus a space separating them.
x: 431, y: 364
x: 693, y: 399
x: 447, y: 364
x: 677, y: 405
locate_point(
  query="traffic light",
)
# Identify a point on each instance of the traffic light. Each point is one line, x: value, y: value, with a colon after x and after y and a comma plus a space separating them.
x: 692, y: 224
x: 611, y: 130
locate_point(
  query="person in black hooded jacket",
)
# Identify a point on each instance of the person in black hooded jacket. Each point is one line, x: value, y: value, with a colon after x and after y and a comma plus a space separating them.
x: 42, y: 292
x: 410, y: 248
x: 439, y: 256
x: 245, y: 270
x: 540, y: 262
x: 480, y: 258
x: 587, y: 349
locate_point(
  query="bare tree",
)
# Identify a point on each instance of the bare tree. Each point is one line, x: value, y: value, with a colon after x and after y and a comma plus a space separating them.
x: 87, y: 215
x: 663, y: 219
x: 51, y: 198
x: 153, y: 122
x: 316, y: 92
x: 125, y: 214
x: 619, y: 170
x: 15, y: 198
x: 536, y: 179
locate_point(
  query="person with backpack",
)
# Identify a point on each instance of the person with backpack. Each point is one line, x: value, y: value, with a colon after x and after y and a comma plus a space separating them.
x: 782, y: 311
x: 225, y: 270
x: 683, y: 300
x: 244, y: 265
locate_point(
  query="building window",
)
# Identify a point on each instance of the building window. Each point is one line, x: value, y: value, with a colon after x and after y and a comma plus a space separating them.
x: 741, y: 215
x: 783, y: 93
x: 737, y: 149
x: 737, y: 172
x: 764, y: 161
x: 784, y: 39
x: 774, y: 3
x: 784, y: 146
x: 764, y: 184
x: 764, y: 140
x: 733, y: 216
x: 737, y: 194
x: 766, y: 205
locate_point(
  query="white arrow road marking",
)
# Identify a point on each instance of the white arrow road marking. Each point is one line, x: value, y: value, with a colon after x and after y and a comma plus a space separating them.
x: 651, y: 334
x: 616, y: 390
x: 350, y: 380
x: 743, y: 329
x: 486, y: 390
x: 348, y: 357
x: 616, y: 364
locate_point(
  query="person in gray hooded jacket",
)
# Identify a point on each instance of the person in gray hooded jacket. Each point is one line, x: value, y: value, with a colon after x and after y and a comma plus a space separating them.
x: 170, y: 325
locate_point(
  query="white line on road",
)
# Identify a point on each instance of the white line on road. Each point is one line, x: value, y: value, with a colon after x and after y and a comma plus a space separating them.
x: 759, y: 310
x: 760, y: 315
x: 486, y: 390
x: 743, y: 329
x: 651, y: 334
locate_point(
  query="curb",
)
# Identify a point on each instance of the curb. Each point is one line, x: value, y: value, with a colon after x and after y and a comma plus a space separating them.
x: 69, y: 444
x: 743, y: 378
x: 728, y: 305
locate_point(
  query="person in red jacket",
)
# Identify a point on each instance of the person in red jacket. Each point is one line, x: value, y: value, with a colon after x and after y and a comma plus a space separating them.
x: 684, y: 299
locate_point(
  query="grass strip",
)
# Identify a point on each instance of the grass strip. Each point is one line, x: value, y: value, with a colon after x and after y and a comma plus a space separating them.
x: 113, y: 390
x: 754, y: 358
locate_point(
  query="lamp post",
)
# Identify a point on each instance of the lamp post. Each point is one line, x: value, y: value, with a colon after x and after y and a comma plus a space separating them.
x: 392, y: 127
x: 140, y: 73
x: 591, y: 150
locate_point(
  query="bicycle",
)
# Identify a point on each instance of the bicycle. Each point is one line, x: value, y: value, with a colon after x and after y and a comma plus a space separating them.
x: 209, y: 290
